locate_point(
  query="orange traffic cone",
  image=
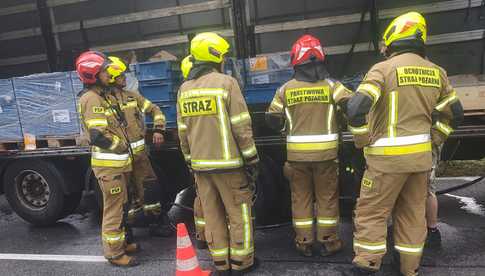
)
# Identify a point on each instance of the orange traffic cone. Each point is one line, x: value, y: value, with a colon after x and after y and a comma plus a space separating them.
x: 187, y: 263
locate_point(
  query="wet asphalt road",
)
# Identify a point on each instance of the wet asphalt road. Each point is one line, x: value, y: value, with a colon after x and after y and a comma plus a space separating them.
x: 462, y: 216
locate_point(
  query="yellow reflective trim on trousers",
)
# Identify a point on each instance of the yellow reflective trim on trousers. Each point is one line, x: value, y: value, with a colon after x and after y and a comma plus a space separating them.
x: 249, y: 152
x: 219, y: 252
x: 330, y: 119
x: 371, y: 89
x: 146, y: 105
x: 115, y: 143
x: 327, y: 221
x: 371, y: 246
x: 441, y: 105
x: 393, y: 106
x: 444, y: 128
x: 409, y: 249
x: 242, y: 252
x: 359, y: 130
x: 288, y: 117
x: 312, y: 146
x: 223, y: 126
x: 303, y: 223
x: 247, y: 226
x: 398, y: 150
x: 113, y: 237
x: 242, y: 117
x: 96, y: 123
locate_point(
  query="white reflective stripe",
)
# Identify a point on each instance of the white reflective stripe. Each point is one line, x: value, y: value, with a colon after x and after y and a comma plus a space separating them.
x: 288, y: 117
x: 240, y: 118
x: 183, y: 242
x: 446, y: 101
x: 203, y: 92
x: 137, y: 143
x: 402, y: 141
x: 303, y: 223
x: 311, y: 138
x: 223, y: 126
x: 409, y: 249
x: 371, y: 89
x: 188, y: 264
x: 250, y: 151
x: 221, y: 162
x: 330, y: 119
x: 393, y: 113
x: 247, y: 226
x: 370, y: 247
x: 219, y: 252
x: 109, y: 156
x: 327, y: 221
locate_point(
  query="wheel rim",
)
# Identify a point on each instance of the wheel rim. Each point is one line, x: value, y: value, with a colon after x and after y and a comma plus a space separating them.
x: 32, y: 190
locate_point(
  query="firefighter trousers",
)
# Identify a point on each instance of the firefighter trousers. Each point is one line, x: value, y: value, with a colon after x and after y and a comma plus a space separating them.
x: 314, y: 192
x: 115, y: 206
x: 199, y: 219
x: 226, y: 199
x: 403, y: 194
x: 143, y: 177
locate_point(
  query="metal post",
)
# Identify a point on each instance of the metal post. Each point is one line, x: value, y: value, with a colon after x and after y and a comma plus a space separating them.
x: 47, y: 34
x: 240, y: 28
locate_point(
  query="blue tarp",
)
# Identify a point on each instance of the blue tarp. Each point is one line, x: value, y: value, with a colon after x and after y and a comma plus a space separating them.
x: 9, y: 118
x: 46, y: 104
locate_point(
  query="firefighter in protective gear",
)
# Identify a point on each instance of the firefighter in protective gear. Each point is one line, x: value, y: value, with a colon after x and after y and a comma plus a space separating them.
x: 216, y: 139
x: 110, y: 158
x: 309, y: 102
x: 145, y: 206
x: 199, y: 220
x: 392, y: 114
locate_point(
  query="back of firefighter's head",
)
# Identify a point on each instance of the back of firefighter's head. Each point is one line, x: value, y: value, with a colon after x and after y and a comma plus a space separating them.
x: 91, y: 68
x: 116, y: 69
x: 407, y: 32
x: 186, y: 66
x: 209, y: 48
x: 307, y: 49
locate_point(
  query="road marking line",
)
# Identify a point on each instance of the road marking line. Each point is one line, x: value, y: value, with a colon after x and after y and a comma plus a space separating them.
x: 59, y: 258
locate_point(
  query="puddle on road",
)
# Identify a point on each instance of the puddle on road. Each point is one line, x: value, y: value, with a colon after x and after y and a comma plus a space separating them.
x: 470, y: 205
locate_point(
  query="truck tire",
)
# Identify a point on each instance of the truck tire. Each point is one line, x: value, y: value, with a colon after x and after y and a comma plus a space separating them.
x: 33, y: 189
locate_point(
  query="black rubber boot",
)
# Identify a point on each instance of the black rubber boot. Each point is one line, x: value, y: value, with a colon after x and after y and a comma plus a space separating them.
x: 201, y: 244
x: 255, y: 265
x: 433, y: 240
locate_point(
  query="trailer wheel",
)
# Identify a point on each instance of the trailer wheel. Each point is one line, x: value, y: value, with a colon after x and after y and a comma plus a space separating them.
x: 33, y: 189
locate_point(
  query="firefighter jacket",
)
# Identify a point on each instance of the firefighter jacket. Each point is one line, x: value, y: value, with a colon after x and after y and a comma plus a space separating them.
x: 214, y: 124
x: 109, y: 146
x: 310, y: 111
x: 134, y: 106
x: 401, y: 94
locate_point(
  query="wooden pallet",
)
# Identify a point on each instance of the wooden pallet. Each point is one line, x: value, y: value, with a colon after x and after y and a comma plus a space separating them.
x: 44, y: 143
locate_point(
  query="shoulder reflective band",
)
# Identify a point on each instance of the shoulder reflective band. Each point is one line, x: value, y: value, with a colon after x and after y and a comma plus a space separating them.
x: 372, y: 90
x: 138, y: 146
x: 398, y: 150
x: 288, y: 118
x: 373, y: 247
x: 311, y: 138
x: 420, y: 76
x: 404, y: 140
x: 242, y: 117
x: 330, y: 119
x: 146, y: 105
x: 219, y: 252
x: 409, y: 249
x: 96, y: 123
x: 327, y: 222
x: 392, y: 119
x: 203, y: 92
x: 187, y: 264
x: 442, y: 104
x: 443, y: 128
x: 129, y: 104
x: 303, y: 223
x: 359, y: 130
x: 307, y: 95
x: 311, y: 146
x: 201, y: 164
x: 113, y: 237
x: 198, y: 106
x: 249, y: 152
x: 115, y: 143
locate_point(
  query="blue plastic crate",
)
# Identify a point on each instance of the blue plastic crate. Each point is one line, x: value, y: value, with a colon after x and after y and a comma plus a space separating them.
x: 47, y: 105
x: 157, y: 90
x: 9, y: 116
x: 156, y: 70
x: 169, y: 109
x: 260, y: 94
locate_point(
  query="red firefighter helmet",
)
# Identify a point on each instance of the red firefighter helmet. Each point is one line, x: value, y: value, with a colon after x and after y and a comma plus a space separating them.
x: 306, y: 48
x: 88, y: 65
